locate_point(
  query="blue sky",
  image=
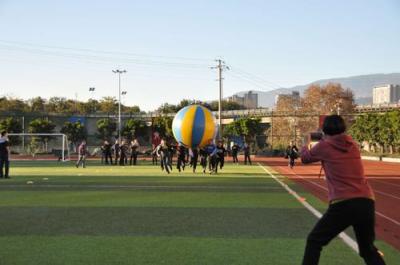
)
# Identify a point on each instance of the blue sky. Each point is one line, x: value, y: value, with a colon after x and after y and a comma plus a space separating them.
x: 61, y: 48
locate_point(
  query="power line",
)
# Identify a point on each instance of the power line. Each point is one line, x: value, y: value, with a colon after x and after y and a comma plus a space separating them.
x: 255, y: 83
x: 108, y: 59
x: 255, y: 77
x: 103, y: 51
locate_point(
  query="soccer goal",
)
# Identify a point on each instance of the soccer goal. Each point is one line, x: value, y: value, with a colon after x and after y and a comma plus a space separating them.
x: 40, y: 145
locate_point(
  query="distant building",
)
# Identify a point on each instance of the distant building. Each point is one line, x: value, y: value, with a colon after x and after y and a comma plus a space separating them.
x: 386, y: 94
x: 294, y: 96
x: 248, y: 100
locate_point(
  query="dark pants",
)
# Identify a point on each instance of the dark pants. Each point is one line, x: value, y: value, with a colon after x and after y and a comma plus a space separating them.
x: 247, y: 159
x: 133, y: 159
x: 4, y: 163
x: 358, y: 213
x: 180, y: 164
x: 203, y: 163
x: 220, y: 162
x: 123, y: 160
x: 107, y: 157
x: 193, y: 162
x: 235, y: 157
x: 291, y: 161
x: 212, y: 163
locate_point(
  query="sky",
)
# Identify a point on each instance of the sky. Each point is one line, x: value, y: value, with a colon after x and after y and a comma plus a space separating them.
x: 61, y: 48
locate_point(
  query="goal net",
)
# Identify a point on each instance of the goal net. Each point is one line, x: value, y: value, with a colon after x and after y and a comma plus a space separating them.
x: 39, y: 146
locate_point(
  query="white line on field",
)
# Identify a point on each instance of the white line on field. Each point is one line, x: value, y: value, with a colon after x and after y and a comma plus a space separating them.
x: 346, y: 239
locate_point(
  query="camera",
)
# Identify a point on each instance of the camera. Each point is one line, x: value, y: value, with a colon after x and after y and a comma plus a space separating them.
x: 316, y: 136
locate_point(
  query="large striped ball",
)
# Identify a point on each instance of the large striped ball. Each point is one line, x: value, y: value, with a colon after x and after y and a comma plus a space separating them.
x: 194, y: 126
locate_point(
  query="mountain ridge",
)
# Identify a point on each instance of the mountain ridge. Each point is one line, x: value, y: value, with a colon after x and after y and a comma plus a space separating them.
x: 361, y: 85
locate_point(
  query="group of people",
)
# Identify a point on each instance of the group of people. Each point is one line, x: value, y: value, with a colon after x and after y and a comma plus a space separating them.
x: 212, y: 157
x: 122, y: 152
x: 116, y: 154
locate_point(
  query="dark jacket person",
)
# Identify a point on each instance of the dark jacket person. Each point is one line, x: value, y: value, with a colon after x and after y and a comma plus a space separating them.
x: 4, y: 155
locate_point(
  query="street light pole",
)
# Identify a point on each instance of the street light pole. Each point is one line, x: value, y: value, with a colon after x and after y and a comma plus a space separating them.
x: 91, y: 90
x: 119, y: 72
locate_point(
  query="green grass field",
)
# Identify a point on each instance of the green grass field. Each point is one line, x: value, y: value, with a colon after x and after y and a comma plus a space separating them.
x: 140, y: 215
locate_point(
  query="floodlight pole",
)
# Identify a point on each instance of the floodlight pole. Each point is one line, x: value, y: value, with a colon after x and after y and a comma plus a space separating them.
x: 119, y: 72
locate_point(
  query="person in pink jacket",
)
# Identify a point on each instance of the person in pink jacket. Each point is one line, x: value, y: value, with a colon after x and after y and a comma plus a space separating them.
x: 351, y: 199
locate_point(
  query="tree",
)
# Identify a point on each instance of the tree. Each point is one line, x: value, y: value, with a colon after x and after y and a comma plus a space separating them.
x: 75, y: 131
x: 33, y: 147
x: 167, y: 108
x: 42, y: 126
x: 106, y: 128
x: 357, y: 129
x: 13, y: 105
x: 11, y: 125
x: 130, y: 109
x: 59, y: 105
x: 248, y: 128
x: 226, y: 105
x: 328, y: 99
x: 285, y: 123
x: 108, y: 105
x: 232, y: 129
x: 163, y: 125
x: 37, y: 104
x: 133, y: 128
x: 394, y: 118
x: 251, y: 127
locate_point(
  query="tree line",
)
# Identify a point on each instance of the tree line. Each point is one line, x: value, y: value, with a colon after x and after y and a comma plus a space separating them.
x: 61, y: 105
x: 106, y: 105
x: 378, y: 132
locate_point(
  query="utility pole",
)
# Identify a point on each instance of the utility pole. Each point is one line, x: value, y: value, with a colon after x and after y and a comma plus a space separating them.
x: 220, y: 67
x: 119, y: 72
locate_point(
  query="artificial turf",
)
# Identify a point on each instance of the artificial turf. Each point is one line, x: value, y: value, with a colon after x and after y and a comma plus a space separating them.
x: 140, y: 215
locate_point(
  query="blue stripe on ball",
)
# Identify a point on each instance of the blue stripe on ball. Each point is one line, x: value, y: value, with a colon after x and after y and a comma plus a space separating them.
x: 198, y: 130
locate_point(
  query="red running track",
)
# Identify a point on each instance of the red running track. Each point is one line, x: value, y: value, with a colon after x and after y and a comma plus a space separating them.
x: 383, y: 177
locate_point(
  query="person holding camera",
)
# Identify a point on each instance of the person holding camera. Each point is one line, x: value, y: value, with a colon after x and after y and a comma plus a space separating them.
x: 351, y: 199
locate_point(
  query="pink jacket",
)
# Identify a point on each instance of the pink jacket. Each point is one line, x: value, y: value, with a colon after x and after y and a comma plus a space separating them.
x: 343, y: 167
